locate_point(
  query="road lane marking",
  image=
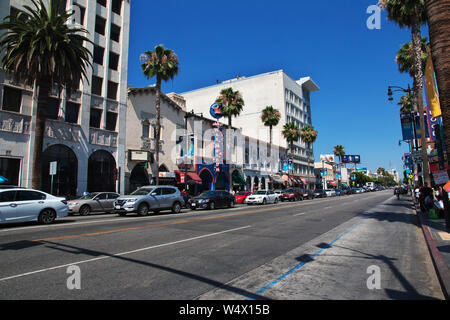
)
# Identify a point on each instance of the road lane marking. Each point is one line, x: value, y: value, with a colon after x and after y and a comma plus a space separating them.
x: 299, y: 214
x: 122, y: 253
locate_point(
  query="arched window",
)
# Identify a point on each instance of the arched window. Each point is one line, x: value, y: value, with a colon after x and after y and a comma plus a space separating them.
x: 101, y: 166
x: 66, y: 178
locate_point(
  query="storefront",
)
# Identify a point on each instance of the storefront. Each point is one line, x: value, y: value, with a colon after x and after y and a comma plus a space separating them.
x: 213, y: 179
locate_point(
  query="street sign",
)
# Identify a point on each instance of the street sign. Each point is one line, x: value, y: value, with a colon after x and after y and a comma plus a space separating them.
x: 53, y: 167
x: 410, y: 176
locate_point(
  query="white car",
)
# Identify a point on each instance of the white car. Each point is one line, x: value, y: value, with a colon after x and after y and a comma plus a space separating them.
x: 21, y: 205
x: 330, y: 193
x: 262, y: 197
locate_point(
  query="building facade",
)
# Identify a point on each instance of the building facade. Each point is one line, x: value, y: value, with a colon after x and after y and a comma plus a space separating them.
x: 85, y: 132
x: 277, y: 89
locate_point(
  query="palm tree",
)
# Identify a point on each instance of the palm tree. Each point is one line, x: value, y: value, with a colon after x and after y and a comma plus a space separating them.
x: 438, y: 12
x: 405, y: 103
x: 412, y: 14
x: 405, y: 57
x: 308, y: 135
x: 339, y: 151
x: 232, y: 103
x: 42, y: 48
x: 162, y: 63
x: 291, y: 132
x: 270, y: 117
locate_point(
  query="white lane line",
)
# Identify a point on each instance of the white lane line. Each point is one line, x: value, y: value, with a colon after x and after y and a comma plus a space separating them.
x: 122, y: 253
x: 299, y: 214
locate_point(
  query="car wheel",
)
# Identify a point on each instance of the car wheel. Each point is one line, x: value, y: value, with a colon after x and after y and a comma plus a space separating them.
x: 212, y: 205
x: 47, y: 216
x: 142, y: 210
x: 85, y: 210
x: 231, y: 204
x: 176, y: 208
x: 122, y: 214
x: 276, y: 200
x: 264, y: 201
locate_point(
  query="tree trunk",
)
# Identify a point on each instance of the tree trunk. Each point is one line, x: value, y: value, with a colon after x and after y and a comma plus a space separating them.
x: 158, y: 127
x: 418, y: 75
x: 43, y: 92
x: 229, y: 122
x: 439, y: 29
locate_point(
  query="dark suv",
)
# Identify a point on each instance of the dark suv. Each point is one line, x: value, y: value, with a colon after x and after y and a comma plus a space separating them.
x: 212, y: 199
x: 307, y: 194
x: 292, y: 194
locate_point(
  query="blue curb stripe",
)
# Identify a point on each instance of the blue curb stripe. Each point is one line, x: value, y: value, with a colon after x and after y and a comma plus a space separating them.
x: 301, y: 264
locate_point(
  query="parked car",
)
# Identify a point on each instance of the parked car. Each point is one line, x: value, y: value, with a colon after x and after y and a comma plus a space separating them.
x: 320, y: 193
x: 330, y: 192
x: 212, y: 200
x: 154, y: 198
x: 21, y: 205
x: 262, y: 197
x: 307, y: 194
x: 279, y: 192
x: 93, y: 202
x: 338, y: 192
x: 345, y: 191
x: 292, y: 194
x: 241, y: 196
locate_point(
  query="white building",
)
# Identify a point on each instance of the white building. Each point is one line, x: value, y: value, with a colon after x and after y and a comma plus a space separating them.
x: 290, y: 97
x: 85, y: 132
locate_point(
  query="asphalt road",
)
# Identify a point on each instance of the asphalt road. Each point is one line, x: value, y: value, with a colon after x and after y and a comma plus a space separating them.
x: 162, y: 256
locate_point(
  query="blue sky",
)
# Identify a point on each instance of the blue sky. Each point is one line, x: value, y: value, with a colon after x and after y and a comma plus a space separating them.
x: 327, y: 40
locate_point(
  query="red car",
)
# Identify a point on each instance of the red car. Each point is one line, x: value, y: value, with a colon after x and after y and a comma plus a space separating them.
x: 241, y: 195
x: 292, y: 194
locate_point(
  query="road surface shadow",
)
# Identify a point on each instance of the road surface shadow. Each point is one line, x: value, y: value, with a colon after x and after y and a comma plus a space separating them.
x: 211, y: 282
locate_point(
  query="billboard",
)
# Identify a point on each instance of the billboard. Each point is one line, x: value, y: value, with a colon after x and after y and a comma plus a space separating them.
x: 327, y: 157
x: 351, y: 159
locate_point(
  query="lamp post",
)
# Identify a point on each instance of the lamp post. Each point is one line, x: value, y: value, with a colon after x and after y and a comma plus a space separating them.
x: 425, y: 165
x: 186, y: 117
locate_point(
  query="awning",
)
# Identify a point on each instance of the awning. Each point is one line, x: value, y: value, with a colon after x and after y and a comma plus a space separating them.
x: 276, y: 178
x: 303, y: 180
x: 192, y: 177
x: 237, y: 179
x: 332, y: 183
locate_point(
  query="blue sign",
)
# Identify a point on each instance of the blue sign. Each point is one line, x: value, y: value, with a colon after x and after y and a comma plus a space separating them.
x: 351, y: 159
x: 215, y: 110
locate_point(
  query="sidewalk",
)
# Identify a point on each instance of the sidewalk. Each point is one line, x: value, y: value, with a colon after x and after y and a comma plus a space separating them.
x: 385, y: 243
x: 438, y: 241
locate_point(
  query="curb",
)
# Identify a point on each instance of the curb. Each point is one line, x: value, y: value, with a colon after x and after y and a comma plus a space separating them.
x: 440, y: 265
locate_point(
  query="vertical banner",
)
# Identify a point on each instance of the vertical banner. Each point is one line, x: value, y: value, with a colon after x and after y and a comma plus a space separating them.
x: 431, y: 91
x: 407, y: 126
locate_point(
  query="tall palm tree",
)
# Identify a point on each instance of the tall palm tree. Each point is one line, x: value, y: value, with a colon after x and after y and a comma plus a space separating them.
x: 291, y: 132
x: 41, y: 47
x: 438, y: 12
x: 405, y: 57
x: 308, y: 135
x: 232, y: 103
x: 339, y: 151
x: 161, y: 63
x: 412, y: 14
x: 270, y: 117
x: 405, y: 103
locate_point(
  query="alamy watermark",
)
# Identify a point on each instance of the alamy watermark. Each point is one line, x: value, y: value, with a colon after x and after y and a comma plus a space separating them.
x: 374, y: 20
x: 74, y: 280
x: 374, y: 280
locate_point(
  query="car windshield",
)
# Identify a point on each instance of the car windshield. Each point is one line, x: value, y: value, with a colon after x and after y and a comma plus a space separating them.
x: 260, y: 192
x: 142, y: 192
x: 88, y: 196
x: 289, y: 190
x: 241, y: 193
x: 207, y: 194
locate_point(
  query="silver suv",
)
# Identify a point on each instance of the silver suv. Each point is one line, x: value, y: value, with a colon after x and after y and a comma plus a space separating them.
x: 150, y: 198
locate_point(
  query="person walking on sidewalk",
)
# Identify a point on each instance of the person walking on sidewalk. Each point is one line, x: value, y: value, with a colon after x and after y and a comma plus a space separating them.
x: 397, y: 192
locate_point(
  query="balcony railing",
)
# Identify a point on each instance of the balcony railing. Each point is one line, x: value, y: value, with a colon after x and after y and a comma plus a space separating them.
x: 102, y: 137
x: 14, y: 122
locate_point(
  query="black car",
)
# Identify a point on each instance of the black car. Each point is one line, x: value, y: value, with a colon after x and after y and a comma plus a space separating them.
x: 319, y: 193
x: 307, y: 194
x: 212, y: 199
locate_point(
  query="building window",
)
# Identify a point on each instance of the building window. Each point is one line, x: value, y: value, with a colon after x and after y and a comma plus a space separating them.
x: 97, y: 84
x: 102, y: 2
x: 145, y: 130
x: 113, y: 61
x: 53, y: 108
x: 12, y: 99
x: 98, y: 54
x: 111, y: 120
x: 116, y: 6
x: 79, y: 18
x: 72, y: 111
x: 100, y: 25
x: 115, y: 32
x: 112, y: 90
x: 96, y: 117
